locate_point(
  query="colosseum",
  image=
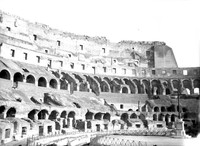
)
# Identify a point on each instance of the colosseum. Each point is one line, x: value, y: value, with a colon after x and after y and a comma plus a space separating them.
x: 53, y: 83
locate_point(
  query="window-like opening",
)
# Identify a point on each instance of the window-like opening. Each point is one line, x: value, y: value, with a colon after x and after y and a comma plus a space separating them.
x: 153, y: 72
x: 8, y: 28
x: 159, y: 126
x: 124, y: 90
x: 104, y: 50
x: 106, y: 116
x: 1, y: 18
x: 53, y: 83
x: 42, y: 82
x: 11, y: 112
x: 35, y: 37
x: 63, y: 114
x: 94, y: 70
x: 31, y: 114
x: 61, y: 63
x: 104, y: 69
x: 89, y: 116
x: 12, y: 53
x: 105, y: 126
x: 133, y: 116
x: 133, y: 71
x: 18, y: 77
x: 5, y: 74
x: 72, y: 65
x: 114, y: 61
x: 49, y: 129
x: 114, y: 70
x: 24, y: 130
x: 83, y: 66
x: 58, y: 42
x: 25, y: 56
x: 174, y: 72
x: 15, y: 23
x: 38, y: 59
x: 124, y: 71
x: 155, y: 117
x: 137, y: 125
x: 49, y: 63
x: 124, y: 117
x: 69, y: 55
x: 185, y: 72
x: 42, y: 114
x: 81, y: 47
x: 7, y: 133
x: 121, y: 106
x: 30, y: 79
x: 98, y: 116
x: 53, y: 115
x: 156, y: 109
x: 46, y: 51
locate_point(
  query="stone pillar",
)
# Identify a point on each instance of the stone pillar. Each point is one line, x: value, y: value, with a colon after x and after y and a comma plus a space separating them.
x: 179, y: 127
x: 85, y: 126
x: 70, y: 124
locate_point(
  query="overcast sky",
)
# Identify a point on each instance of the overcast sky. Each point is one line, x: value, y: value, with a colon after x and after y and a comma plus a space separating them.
x: 176, y: 22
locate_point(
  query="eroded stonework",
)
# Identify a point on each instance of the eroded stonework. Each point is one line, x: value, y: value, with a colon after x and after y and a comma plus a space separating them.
x: 55, y: 82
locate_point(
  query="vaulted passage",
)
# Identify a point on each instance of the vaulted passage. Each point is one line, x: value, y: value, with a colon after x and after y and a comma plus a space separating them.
x: 124, y: 90
x: 32, y: 114
x: 156, y: 87
x: 42, y: 114
x: 89, y: 116
x: 5, y: 74
x: 11, y: 112
x: 124, y: 117
x: 30, y: 79
x: 106, y: 116
x: 131, y: 85
x: 53, y: 115
x: 42, y: 82
x: 53, y: 83
x: 63, y: 114
x: 104, y: 87
x: 98, y: 116
x: 2, y: 109
x: 18, y: 77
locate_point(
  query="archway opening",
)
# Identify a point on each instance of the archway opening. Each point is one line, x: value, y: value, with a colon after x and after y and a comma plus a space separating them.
x: 42, y: 82
x: 42, y: 114
x: 156, y: 109
x: 98, y: 116
x: 155, y: 117
x: 30, y: 79
x: 63, y: 114
x: 89, y: 116
x: 31, y: 114
x: 133, y: 116
x: 53, y: 83
x: 124, y: 90
x: 11, y: 112
x: 167, y: 90
x: 18, y: 77
x: 106, y: 116
x: 163, y: 109
x: 53, y: 115
x: 5, y: 74
x: 124, y: 117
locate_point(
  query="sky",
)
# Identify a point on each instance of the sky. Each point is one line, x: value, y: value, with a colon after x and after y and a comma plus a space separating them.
x: 175, y: 22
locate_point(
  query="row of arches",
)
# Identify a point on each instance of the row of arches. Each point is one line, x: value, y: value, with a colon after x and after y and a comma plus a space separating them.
x: 76, y: 82
x: 97, y: 116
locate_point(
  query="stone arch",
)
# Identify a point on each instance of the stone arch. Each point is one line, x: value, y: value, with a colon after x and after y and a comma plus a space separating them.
x: 30, y: 79
x: 176, y: 85
x: 161, y: 117
x: 124, y: 117
x: 187, y: 85
x: 167, y: 117
x: 63, y: 84
x: 2, y: 110
x: 163, y: 109
x: 72, y: 115
x: 196, y: 85
x: 104, y: 86
x: 98, y: 116
x: 53, y: 83
x: 42, y: 82
x: 57, y: 125
x: 5, y: 74
x: 53, y: 115
x: 156, y: 87
x: 133, y: 116
x: 94, y: 84
x: 106, y: 116
x: 71, y: 81
x: 171, y: 108
x: 11, y: 112
x: 89, y: 116
x: 155, y: 118
x: 63, y: 114
x: 32, y: 114
x: 167, y: 91
x: 131, y: 85
x: 156, y: 109
x: 139, y: 87
x: 173, y: 118
x: 146, y: 84
x: 124, y: 90
x: 18, y: 77
x: 43, y: 114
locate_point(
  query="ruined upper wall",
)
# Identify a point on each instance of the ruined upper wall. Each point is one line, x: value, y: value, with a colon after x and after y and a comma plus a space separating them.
x: 42, y: 38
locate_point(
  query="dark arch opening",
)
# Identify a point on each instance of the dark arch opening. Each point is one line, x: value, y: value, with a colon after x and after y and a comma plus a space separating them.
x: 104, y: 87
x: 31, y: 114
x: 53, y: 83
x: 63, y: 114
x: 53, y: 115
x: 18, y: 77
x: 42, y: 114
x: 97, y: 116
x: 57, y: 125
x: 106, y: 116
x: 63, y: 84
x: 30, y: 79
x: 5, y: 74
x: 160, y: 117
x: 11, y: 112
x: 133, y: 116
x: 89, y: 116
x: 155, y: 117
x: 163, y: 109
x: 173, y: 118
x: 42, y: 82
x: 2, y: 109
x: 167, y: 90
x: 124, y: 117
x: 156, y: 109
x: 72, y: 115
x: 124, y: 90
